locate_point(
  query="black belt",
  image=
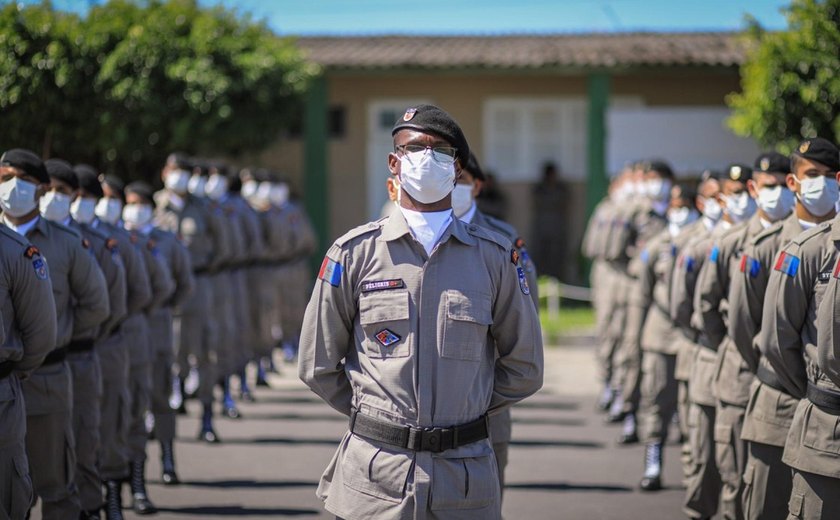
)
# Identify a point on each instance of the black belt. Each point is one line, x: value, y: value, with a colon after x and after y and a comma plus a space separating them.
x: 80, y: 345
x: 435, y: 440
x: 6, y: 369
x: 56, y: 356
x: 769, y: 378
x: 824, y: 399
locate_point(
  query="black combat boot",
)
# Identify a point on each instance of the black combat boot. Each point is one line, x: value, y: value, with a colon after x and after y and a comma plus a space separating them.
x: 141, y: 503
x: 113, y: 500
x: 167, y: 457
x: 652, y: 479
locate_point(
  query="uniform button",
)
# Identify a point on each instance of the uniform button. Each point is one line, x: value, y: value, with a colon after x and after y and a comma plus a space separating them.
x: 472, y: 228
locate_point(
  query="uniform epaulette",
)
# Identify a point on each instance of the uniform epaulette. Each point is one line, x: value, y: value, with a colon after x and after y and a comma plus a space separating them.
x: 360, y: 231
x: 68, y: 230
x: 811, y: 233
x: 503, y: 227
x: 488, y: 234
x: 774, y: 229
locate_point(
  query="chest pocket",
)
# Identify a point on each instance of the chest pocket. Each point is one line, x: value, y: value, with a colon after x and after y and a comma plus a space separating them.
x: 384, y: 319
x: 468, y: 315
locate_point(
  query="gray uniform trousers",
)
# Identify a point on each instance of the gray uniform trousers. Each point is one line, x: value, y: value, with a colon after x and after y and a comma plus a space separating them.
x: 115, y: 407
x: 500, y: 433
x: 87, y: 394
x: 222, y: 314
x: 262, y: 282
x: 161, y: 326
x: 15, y: 483
x: 50, y: 444
x: 243, y: 331
x: 658, y: 396
x: 197, y: 337
x: 140, y: 389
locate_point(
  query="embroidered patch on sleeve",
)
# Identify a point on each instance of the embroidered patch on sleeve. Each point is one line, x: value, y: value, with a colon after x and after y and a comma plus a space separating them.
x: 837, y: 269
x: 787, y: 263
x: 644, y: 256
x: 386, y: 338
x: 111, y: 245
x: 330, y: 271
x: 689, y: 264
x: 85, y: 243
x: 523, y: 282
x: 40, y: 268
x: 31, y: 251
x: 382, y: 285
x: 714, y: 254
x: 514, y: 256
x: 750, y: 265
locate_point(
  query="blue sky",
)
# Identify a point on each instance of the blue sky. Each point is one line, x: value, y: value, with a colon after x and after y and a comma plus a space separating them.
x: 497, y: 16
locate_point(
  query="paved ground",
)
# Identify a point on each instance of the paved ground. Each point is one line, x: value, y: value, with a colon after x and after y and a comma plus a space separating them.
x: 563, y: 460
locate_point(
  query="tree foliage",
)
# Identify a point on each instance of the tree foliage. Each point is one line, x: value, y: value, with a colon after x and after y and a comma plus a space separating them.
x: 131, y: 81
x: 790, y: 80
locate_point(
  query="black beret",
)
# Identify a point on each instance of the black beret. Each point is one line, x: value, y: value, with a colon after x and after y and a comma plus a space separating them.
x: 739, y: 172
x: 686, y: 193
x: 179, y: 160
x: 772, y: 162
x: 821, y: 151
x: 218, y: 167
x: 433, y: 120
x: 115, y: 183
x: 234, y: 181
x: 660, y: 167
x: 474, y: 168
x: 710, y: 174
x: 88, y: 179
x: 142, y: 189
x: 26, y: 161
x: 63, y: 171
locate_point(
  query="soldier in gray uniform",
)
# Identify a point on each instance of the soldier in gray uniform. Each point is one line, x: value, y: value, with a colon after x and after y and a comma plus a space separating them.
x: 467, y: 188
x: 115, y: 351
x: 179, y: 212
x: 81, y: 299
x: 769, y: 412
x: 659, y: 336
x: 647, y: 220
x: 140, y: 366
x: 137, y: 216
x: 27, y: 334
x: 412, y: 451
x: 796, y: 289
x: 81, y: 355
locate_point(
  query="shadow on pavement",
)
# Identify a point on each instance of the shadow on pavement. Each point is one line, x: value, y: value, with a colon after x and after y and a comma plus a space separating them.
x: 528, y: 443
x: 565, y: 486
x: 294, y: 417
x: 547, y: 420
x: 547, y: 405
x: 249, y: 484
x: 238, y: 511
x: 268, y: 440
x: 275, y: 399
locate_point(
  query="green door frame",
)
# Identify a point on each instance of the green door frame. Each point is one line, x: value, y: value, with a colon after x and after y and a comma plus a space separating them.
x: 598, y: 92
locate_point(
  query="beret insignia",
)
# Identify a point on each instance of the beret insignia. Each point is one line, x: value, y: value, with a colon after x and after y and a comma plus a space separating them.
x: 803, y: 148
x: 409, y: 114
x: 765, y: 164
x: 31, y: 251
x: 735, y: 173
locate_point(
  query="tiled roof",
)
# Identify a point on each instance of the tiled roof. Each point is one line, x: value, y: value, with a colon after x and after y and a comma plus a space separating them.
x: 597, y: 50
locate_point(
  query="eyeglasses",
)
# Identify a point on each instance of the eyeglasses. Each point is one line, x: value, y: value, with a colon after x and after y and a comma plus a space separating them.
x: 441, y: 154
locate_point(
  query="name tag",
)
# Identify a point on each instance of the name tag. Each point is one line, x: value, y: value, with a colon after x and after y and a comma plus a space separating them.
x: 382, y: 285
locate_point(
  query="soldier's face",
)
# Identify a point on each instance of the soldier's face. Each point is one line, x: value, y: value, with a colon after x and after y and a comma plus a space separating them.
x: 805, y: 169
x: 764, y: 180
x: 730, y: 188
x: 7, y: 173
x: 60, y: 186
x: 413, y: 137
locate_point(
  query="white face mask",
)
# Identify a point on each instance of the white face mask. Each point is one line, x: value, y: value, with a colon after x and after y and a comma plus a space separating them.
x: 249, y: 189
x: 279, y: 194
x: 426, y: 180
x: 109, y: 210
x: 136, y: 216
x: 712, y: 209
x: 658, y: 189
x: 263, y: 195
x: 777, y: 202
x: 196, y: 185
x: 17, y: 197
x: 462, y: 199
x: 216, y: 186
x: 740, y: 207
x: 55, y: 206
x: 177, y: 181
x: 83, y: 210
x: 681, y: 216
x: 818, y: 194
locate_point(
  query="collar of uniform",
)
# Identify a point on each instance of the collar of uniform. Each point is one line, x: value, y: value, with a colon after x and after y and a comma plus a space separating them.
x: 754, y: 224
x: 396, y: 227
x: 458, y: 230
x: 471, y: 214
x: 835, y: 228
x: 42, y: 226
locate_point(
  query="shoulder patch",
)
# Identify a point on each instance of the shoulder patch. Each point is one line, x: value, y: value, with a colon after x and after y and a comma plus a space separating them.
x: 523, y: 281
x: 787, y: 264
x: 86, y: 243
x: 40, y: 267
x: 519, y: 244
x: 714, y: 254
x: 514, y: 257
x: 31, y: 251
x: 111, y: 245
x: 750, y: 265
x: 330, y: 271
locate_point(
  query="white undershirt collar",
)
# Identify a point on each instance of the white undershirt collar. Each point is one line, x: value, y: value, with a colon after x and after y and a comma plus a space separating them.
x: 427, y: 226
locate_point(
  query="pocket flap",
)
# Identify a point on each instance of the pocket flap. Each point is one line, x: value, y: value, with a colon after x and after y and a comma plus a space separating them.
x: 473, y: 307
x: 383, y: 306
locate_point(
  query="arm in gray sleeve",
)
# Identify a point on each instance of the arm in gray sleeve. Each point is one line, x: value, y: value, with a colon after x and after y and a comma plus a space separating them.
x: 34, y: 309
x: 114, y: 272
x: 712, y: 283
x: 138, y: 285
x: 785, y: 309
x: 162, y: 284
x: 327, y: 338
x: 518, y: 338
x: 182, y: 274
x: 89, y: 291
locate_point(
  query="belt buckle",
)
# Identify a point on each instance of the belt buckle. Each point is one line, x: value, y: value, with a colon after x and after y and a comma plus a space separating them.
x: 430, y: 440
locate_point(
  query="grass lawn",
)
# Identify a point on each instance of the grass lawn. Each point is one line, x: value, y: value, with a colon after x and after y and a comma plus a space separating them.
x: 573, y: 319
